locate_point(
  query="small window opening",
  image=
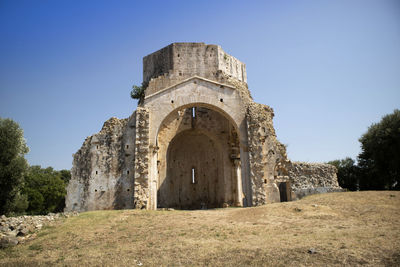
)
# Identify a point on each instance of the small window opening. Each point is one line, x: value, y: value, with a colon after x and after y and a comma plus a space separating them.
x: 193, y: 112
x: 172, y: 101
x: 95, y: 190
x: 179, y: 55
x: 97, y: 147
x: 127, y: 172
x: 193, y: 176
x: 127, y: 146
x: 128, y: 189
x: 96, y: 172
x: 265, y: 181
x: 222, y: 100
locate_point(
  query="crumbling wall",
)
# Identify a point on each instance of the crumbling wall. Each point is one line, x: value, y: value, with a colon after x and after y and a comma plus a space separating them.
x: 113, y: 168
x: 265, y: 152
x: 102, y: 175
x: 142, y: 150
x: 312, y: 178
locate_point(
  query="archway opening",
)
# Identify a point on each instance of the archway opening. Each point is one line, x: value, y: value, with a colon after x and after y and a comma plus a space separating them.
x: 197, y: 160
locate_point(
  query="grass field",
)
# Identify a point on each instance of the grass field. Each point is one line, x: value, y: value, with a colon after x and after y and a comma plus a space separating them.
x: 355, y: 228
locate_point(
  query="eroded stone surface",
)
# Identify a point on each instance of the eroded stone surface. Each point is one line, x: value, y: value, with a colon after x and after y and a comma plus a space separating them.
x: 312, y: 178
x: 103, y: 169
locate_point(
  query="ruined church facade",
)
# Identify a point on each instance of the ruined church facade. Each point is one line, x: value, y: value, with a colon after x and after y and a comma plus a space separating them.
x: 196, y: 140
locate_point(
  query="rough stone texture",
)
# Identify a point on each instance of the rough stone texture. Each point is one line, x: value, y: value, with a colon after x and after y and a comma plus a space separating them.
x: 200, y: 93
x: 15, y: 230
x: 265, y: 154
x: 142, y: 150
x: 146, y: 160
x: 102, y: 172
x: 216, y: 141
x: 312, y: 178
x: 180, y: 61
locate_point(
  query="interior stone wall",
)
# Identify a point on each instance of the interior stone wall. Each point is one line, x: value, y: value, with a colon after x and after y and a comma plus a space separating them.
x: 178, y: 134
x: 195, y: 150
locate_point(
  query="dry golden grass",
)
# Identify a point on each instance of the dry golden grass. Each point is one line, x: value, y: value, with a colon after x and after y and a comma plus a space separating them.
x: 358, y: 228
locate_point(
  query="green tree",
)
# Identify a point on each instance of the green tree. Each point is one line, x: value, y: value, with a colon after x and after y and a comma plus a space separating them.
x: 138, y: 92
x: 348, y: 173
x: 12, y: 164
x: 380, y: 156
x: 45, y: 189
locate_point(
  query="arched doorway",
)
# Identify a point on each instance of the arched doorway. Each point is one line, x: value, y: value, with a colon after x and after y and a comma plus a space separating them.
x: 197, y: 160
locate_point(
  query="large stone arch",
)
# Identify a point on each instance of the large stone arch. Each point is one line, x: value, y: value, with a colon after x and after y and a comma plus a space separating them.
x: 198, y: 92
x: 207, y: 141
x: 199, y: 105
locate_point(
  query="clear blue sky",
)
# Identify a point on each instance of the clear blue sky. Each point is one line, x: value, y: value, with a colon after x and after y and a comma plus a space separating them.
x: 329, y: 69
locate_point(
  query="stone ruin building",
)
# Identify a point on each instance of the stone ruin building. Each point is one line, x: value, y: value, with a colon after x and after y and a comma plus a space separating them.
x: 197, y: 140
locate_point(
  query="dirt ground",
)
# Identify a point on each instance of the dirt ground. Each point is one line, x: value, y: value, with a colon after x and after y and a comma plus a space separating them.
x: 352, y: 228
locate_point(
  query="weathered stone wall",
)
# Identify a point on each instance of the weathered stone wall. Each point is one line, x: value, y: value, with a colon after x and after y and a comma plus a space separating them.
x: 265, y: 151
x: 142, y: 150
x: 312, y: 178
x: 180, y: 61
x: 214, y: 167
x: 102, y: 172
x: 197, y: 92
x: 124, y: 165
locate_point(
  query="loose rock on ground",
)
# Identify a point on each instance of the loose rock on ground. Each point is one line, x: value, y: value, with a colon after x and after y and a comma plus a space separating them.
x: 15, y: 230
